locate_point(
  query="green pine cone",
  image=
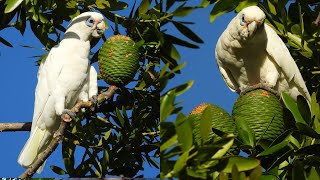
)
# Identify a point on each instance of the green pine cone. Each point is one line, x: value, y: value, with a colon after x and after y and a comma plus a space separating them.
x: 118, y: 60
x: 258, y: 108
x: 220, y: 120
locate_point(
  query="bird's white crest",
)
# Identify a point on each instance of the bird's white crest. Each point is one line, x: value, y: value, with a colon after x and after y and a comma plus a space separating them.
x: 249, y: 52
x: 64, y: 77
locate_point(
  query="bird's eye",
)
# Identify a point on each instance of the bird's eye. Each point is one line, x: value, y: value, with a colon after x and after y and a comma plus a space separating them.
x: 242, y: 22
x: 90, y: 22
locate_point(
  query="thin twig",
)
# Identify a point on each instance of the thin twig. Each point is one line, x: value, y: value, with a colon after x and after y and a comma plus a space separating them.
x: 155, y: 133
x: 7, y: 127
x: 58, y: 135
x: 317, y: 21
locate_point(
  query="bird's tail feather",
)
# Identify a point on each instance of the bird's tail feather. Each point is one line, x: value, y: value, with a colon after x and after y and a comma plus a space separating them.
x: 30, y: 151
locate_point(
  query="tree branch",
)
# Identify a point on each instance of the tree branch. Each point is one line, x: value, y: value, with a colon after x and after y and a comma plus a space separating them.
x: 317, y: 21
x: 58, y: 135
x: 5, y: 127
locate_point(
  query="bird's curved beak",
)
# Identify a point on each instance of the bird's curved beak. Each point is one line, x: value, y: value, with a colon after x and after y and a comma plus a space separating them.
x: 100, y: 29
x: 252, y: 28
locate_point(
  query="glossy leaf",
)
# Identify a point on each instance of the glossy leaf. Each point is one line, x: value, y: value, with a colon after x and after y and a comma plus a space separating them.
x: 205, y: 123
x: 304, y: 109
x: 309, y: 150
x: 274, y: 148
x: 242, y: 163
x: 245, y: 133
x: 181, y: 162
x: 225, y: 147
x: 292, y: 106
x: 169, y: 143
x: 307, y: 130
x: 183, y: 88
x: 143, y: 8
x: 58, y: 170
x: 245, y: 3
x: 166, y: 105
x: 12, y: 5
x: 183, y: 126
x: 272, y: 8
x: 182, y: 11
x: 221, y: 7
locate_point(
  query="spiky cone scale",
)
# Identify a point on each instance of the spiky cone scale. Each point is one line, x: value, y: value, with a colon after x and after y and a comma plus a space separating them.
x: 118, y: 60
x: 258, y: 107
x: 220, y: 120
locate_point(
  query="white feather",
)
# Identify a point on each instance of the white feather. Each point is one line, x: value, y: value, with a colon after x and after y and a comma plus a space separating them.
x: 61, y: 77
x: 250, y: 52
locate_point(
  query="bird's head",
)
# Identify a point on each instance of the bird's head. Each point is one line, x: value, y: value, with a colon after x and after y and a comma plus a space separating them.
x: 249, y: 20
x: 86, y: 26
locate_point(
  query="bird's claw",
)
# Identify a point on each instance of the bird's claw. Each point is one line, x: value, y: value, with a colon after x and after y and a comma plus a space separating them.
x: 68, y: 115
x: 94, y: 101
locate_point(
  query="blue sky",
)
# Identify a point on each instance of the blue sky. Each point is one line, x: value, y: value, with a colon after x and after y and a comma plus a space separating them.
x: 18, y: 79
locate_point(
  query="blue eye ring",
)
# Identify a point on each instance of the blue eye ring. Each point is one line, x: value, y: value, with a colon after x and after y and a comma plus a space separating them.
x: 242, y: 22
x: 90, y: 22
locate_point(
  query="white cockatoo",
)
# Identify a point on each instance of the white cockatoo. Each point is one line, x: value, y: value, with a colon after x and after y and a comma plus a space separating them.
x: 64, y: 77
x: 250, y: 53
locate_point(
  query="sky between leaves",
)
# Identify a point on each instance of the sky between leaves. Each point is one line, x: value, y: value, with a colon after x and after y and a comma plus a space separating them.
x: 18, y: 81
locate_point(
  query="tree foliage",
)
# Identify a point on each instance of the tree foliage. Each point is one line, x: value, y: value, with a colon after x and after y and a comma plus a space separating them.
x: 292, y: 155
x: 122, y: 134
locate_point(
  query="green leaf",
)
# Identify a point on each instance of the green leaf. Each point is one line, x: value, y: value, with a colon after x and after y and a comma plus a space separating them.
x: 166, y: 105
x: 173, y: 52
x: 256, y: 173
x: 187, y: 32
x: 221, y: 7
x: 274, y: 148
x: 58, y: 170
x: 304, y: 109
x: 295, y: 29
x: 225, y: 147
x: 242, y: 163
x: 245, y: 133
x: 315, y: 108
x: 183, y: 87
x: 245, y: 3
x: 182, y: 11
x: 181, y: 162
x: 143, y: 8
x: 309, y: 150
x: 12, y: 5
x: 169, y: 143
x: 292, y: 106
x: 205, y: 3
x: 205, y: 123
x: 272, y: 8
x: 307, y: 130
x: 185, y: 140
x: 121, y: 119
x: 5, y: 42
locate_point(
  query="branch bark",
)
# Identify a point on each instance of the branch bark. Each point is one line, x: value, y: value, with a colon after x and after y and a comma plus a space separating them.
x: 58, y: 135
x: 5, y: 127
x: 317, y: 21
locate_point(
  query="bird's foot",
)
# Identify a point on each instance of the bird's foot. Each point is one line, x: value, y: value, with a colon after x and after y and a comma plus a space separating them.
x: 264, y: 86
x: 68, y: 115
x: 94, y: 101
